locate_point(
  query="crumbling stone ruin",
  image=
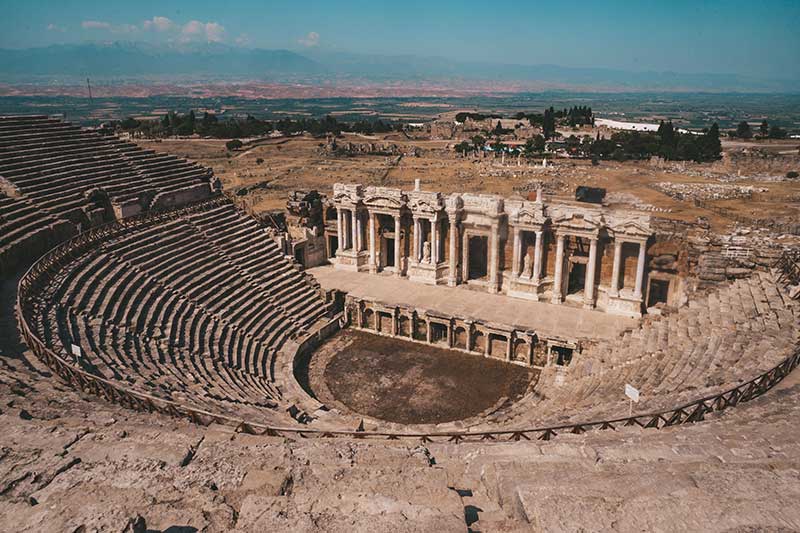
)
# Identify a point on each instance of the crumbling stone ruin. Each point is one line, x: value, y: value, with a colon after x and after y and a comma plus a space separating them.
x: 451, y: 129
x: 706, y: 191
x: 334, y: 147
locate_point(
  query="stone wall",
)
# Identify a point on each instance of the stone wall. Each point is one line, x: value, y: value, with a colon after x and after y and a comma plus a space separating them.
x: 172, y: 199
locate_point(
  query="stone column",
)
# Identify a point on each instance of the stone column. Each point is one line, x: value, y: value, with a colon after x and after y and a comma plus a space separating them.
x: 469, y: 332
x: 398, y: 261
x: 434, y: 241
x: 637, y: 293
x: 353, y: 230
x: 510, y: 346
x: 373, y: 266
x: 452, y: 280
x: 530, y: 351
x: 516, y: 254
x: 394, y: 322
x: 494, y: 258
x: 359, y: 239
x: 465, y: 257
x: 559, y: 269
x: 537, y: 257
x: 588, y: 284
x: 417, y: 244
x: 487, y: 344
x: 339, y: 229
x: 450, y: 328
x: 427, y: 330
x: 614, y: 290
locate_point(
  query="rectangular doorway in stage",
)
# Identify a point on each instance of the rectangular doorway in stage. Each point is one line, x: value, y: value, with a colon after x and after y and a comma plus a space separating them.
x: 478, y: 256
x: 390, y: 253
x: 577, y: 278
x: 333, y: 245
x: 659, y: 290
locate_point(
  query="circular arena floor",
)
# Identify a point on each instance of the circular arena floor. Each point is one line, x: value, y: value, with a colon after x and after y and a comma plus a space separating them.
x: 409, y: 383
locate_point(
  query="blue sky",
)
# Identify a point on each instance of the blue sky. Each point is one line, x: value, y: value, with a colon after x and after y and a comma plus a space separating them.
x: 719, y: 36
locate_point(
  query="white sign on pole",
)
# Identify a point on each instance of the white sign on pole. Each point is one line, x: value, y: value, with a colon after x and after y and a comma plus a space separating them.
x: 76, y: 350
x: 632, y: 393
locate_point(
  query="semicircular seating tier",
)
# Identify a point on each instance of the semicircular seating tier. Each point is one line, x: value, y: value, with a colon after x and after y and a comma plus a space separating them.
x: 719, y: 340
x: 56, y: 178
x: 194, y: 309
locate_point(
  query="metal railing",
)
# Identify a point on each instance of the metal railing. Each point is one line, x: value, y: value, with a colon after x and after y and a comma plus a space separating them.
x: 39, y: 274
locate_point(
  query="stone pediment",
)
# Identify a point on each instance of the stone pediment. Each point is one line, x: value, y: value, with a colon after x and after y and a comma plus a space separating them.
x: 579, y: 222
x: 526, y: 213
x: 349, y: 194
x: 384, y: 198
x: 484, y: 204
x: 631, y: 228
x: 424, y: 202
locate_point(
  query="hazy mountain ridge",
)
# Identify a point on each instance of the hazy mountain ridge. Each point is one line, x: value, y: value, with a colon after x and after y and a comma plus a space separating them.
x: 219, y: 60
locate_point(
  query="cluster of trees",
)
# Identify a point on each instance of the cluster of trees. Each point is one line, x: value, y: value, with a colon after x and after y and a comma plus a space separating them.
x: 209, y: 125
x: 667, y: 142
x: 464, y: 115
x: 765, y: 131
x: 573, y: 116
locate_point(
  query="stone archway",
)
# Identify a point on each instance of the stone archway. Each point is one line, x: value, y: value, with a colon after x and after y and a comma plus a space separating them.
x: 404, y: 326
x: 479, y: 342
x: 460, y: 338
x: 421, y: 331
x: 368, y: 320
x: 521, y: 351
x: 497, y: 345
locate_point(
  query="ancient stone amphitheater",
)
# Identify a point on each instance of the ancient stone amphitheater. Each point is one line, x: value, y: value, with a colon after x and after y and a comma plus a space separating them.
x: 192, y: 326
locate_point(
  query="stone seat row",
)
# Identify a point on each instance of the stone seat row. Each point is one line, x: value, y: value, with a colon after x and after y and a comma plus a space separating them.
x: 128, y: 295
x: 158, y: 368
x: 720, y: 340
x: 169, y: 309
x: 54, y: 164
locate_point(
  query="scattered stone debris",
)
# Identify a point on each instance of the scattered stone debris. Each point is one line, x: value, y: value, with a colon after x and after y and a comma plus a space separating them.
x: 706, y: 191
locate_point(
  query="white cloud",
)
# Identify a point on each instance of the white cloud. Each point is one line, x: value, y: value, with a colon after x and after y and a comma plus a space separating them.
x: 243, y: 40
x: 210, y: 31
x: 312, y: 39
x: 159, y: 24
x: 194, y: 30
x: 95, y: 25
x: 125, y: 28
x: 105, y: 26
x: 55, y: 27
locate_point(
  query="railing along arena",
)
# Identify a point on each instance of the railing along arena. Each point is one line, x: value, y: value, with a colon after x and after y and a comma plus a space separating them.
x: 39, y: 273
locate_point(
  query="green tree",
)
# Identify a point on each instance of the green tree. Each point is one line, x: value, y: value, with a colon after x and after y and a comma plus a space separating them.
x: 668, y: 140
x: 549, y: 124
x: 463, y: 147
x: 234, y: 144
x: 129, y: 123
x: 710, y: 145
x: 498, y: 147
x: 776, y: 132
x: 478, y: 141
x: 743, y: 130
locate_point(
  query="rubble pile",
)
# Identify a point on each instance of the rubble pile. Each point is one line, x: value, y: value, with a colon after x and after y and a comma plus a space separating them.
x: 369, y: 148
x: 706, y: 191
x: 631, y: 200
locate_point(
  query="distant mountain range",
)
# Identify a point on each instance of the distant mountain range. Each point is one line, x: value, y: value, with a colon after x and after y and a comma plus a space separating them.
x: 217, y: 61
